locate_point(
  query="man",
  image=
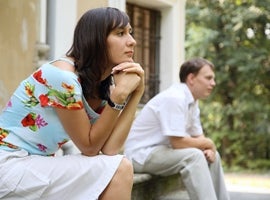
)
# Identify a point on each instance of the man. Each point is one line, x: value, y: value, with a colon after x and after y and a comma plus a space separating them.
x: 167, y: 137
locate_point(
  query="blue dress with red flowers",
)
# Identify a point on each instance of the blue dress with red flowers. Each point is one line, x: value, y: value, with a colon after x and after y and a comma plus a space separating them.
x: 29, y: 121
x: 30, y: 132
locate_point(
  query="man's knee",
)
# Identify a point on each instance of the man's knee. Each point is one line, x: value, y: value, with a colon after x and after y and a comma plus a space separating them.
x: 196, y: 155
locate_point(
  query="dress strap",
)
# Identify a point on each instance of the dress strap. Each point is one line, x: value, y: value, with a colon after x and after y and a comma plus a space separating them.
x: 66, y: 60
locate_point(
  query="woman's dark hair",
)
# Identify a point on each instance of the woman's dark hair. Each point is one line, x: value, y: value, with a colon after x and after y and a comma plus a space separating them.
x: 193, y: 66
x: 89, y: 48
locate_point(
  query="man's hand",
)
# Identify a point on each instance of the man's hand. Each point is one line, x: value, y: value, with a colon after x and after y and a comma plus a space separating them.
x: 210, y: 155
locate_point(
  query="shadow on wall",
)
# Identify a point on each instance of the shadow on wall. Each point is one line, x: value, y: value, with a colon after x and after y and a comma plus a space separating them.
x: 41, y: 57
x: 3, y: 96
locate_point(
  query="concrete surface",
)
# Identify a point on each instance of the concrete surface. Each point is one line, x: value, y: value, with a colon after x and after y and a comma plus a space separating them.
x: 241, y: 186
x: 248, y: 186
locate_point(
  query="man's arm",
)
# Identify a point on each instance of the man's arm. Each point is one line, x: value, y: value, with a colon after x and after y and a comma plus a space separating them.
x: 200, y: 142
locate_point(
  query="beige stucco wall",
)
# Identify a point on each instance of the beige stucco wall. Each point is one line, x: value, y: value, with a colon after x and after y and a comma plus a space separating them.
x: 18, y: 33
x: 84, y: 5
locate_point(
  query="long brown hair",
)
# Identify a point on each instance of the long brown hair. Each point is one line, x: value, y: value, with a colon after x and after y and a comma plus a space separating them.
x: 89, y: 48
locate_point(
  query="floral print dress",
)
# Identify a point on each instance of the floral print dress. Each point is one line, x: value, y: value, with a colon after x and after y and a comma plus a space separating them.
x: 29, y: 121
x: 30, y: 132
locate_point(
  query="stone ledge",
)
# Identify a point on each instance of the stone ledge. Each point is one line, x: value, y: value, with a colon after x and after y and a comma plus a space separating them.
x: 151, y: 187
x: 139, y: 178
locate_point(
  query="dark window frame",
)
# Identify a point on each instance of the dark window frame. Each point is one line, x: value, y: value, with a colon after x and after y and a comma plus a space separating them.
x: 146, y: 31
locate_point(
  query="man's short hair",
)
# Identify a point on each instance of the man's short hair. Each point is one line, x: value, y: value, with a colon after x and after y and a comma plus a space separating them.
x: 193, y: 66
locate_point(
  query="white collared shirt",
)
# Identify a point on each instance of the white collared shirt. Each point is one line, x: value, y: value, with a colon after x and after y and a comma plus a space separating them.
x: 172, y: 112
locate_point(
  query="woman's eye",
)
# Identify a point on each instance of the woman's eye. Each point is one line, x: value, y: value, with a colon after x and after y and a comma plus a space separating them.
x: 120, y: 33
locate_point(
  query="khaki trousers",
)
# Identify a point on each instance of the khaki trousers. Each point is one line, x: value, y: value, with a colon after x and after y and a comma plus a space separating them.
x: 203, y: 181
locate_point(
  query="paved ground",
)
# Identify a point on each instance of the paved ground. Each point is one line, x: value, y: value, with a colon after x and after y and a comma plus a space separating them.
x: 248, y: 186
x: 241, y: 186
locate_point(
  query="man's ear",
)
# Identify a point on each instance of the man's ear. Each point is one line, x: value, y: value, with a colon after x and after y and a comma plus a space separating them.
x: 190, y: 79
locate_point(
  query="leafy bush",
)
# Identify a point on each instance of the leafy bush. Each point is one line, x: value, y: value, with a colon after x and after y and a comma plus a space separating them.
x: 235, y: 36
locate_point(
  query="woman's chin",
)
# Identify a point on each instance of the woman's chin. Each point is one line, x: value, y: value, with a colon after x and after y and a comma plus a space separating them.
x: 127, y: 60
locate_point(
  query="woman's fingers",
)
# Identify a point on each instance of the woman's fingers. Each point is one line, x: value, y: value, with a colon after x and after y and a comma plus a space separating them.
x: 127, y: 81
x: 128, y: 67
x: 129, y: 75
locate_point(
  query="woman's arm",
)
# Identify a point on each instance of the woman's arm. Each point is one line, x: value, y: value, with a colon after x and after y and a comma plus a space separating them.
x: 125, y: 119
x: 122, y: 127
x: 91, y: 138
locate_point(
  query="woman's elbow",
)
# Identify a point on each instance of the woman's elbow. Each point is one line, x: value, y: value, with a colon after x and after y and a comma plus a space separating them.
x: 110, y: 151
x: 90, y: 151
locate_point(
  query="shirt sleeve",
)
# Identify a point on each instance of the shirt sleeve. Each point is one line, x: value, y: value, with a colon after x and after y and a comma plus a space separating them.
x: 178, y: 120
x: 57, y: 88
x: 173, y: 118
x: 194, y: 127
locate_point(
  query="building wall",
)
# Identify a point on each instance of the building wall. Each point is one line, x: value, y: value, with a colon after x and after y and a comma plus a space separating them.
x: 172, y: 51
x: 61, y: 20
x: 26, y: 25
x: 172, y: 30
x: 18, y: 33
x: 84, y: 5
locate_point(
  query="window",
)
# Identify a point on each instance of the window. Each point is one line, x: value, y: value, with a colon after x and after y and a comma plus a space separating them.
x: 146, y: 31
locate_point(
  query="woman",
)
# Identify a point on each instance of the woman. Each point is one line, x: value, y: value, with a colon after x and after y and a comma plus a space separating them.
x: 90, y: 97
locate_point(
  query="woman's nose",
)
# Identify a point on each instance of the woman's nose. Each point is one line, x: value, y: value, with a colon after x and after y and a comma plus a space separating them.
x: 131, y: 41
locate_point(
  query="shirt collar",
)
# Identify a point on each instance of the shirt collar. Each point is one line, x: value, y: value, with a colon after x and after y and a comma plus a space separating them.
x: 190, y: 99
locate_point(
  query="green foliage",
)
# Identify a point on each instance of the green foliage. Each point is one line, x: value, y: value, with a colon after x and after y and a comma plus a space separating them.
x: 235, y: 36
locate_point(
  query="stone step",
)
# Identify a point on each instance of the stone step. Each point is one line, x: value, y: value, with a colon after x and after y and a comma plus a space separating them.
x: 149, y: 187
x: 175, y: 195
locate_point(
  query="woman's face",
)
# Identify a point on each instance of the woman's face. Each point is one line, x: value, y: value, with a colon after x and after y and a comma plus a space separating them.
x: 121, y: 45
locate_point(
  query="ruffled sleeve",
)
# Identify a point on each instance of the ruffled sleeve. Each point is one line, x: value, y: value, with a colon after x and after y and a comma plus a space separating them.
x: 56, y: 88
